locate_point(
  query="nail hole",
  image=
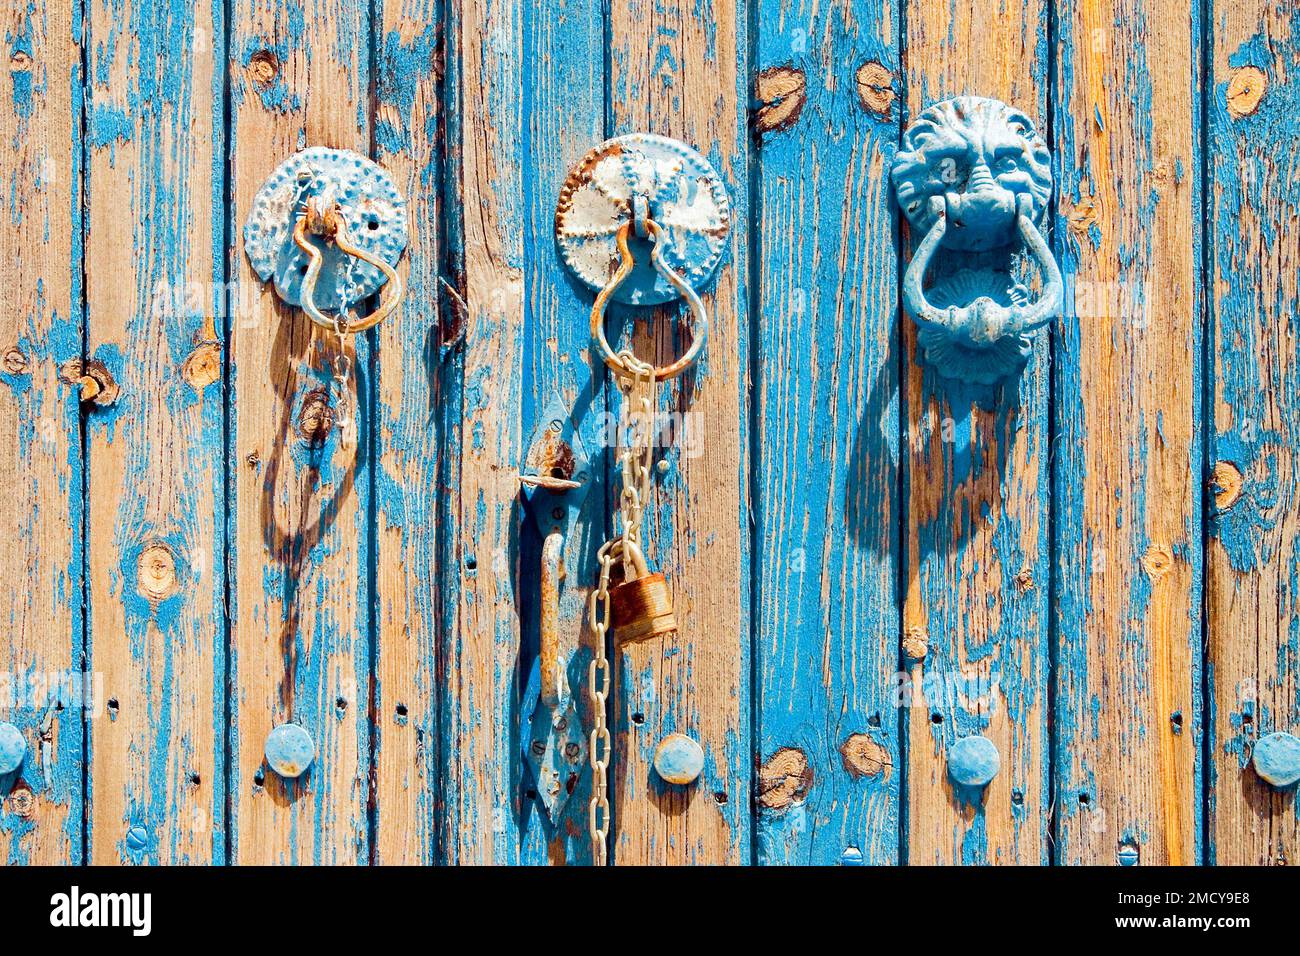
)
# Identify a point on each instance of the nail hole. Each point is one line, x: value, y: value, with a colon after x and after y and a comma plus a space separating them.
x: 401, y: 710
x: 112, y: 704
x: 194, y: 779
x: 873, y: 720
x: 720, y: 798
x: 372, y: 225
x: 1017, y: 797
x: 471, y: 564
x: 638, y: 719
x: 259, y: 778
x: 936, y: 718
x: 1084, y: 799
x: 530, y: 794
x: 341, y: 704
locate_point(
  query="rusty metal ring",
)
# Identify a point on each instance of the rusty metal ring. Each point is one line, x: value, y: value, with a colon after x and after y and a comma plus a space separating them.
x: 700, y: 319
x: 333, y: 227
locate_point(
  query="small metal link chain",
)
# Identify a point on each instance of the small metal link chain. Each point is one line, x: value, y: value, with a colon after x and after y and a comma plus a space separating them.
x: 341, y: 384
x: 634, y: 462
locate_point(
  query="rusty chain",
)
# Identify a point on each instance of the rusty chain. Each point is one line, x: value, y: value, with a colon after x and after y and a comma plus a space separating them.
x: 634, y: 462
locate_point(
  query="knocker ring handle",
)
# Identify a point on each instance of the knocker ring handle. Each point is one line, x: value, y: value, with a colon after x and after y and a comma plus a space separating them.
x: 699, y: 318
x: 984, y: 320
x: 332, y: 227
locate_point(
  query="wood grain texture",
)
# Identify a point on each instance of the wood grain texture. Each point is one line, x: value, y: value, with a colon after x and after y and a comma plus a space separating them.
x: 828, y: 490
x: 1251, y: 553
x: 41, y: 511
x: 564, y: 119
x: 1127, y: 526
x: 680, y: 69
x: 411, y: 389
x: 486, y: 172
x: 301, y: 488
x: 154, y: 266
x: 975, y: 488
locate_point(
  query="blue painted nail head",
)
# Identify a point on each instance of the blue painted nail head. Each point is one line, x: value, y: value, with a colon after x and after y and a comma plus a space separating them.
x: 973, y: 177
x: 621, y: 181
x: 679, y: 759
x: 1277, y: 759
x: 973, y: 761
x: 289, y: 750
x: 13, y: 748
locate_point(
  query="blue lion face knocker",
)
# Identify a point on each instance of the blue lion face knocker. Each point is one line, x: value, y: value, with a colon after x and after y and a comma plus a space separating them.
x: 973, y: 176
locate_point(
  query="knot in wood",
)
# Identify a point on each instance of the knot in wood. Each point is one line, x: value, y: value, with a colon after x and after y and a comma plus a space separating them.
x: 1226, y: 485
x: 156, y: 573
x: 875, y: 88
x: 1246, y: 87
x: 316, y: 418
x: 863, y: 757
x: 781, y: 91
x: 202, y: 367
x: 15, y: 361
x: 785, y: 779
x: 264, y: 66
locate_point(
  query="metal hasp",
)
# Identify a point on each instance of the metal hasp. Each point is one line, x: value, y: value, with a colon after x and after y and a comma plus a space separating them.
x: 327, y: 227
x: 554, y: 482
x: 973, y: 177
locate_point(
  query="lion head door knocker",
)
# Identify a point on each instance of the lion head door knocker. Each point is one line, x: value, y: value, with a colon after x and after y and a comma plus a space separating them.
x: 327, y: 227
x: 973, y: 177
x: 664, y: 199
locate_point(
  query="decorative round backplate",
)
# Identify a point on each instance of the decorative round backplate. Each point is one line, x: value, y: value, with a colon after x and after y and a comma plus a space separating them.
x: 374, y: 210
x: 683, y: 195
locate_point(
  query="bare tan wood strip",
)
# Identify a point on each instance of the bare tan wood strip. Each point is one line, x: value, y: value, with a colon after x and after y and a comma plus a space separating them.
x: 40, y: 469
x: 680, y: 70
x: 299, y: 77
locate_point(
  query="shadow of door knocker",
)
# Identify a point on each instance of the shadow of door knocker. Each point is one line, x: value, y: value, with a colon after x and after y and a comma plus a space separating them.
x: 974, y: 178
x: 327, y: 227
x: 664, y: 200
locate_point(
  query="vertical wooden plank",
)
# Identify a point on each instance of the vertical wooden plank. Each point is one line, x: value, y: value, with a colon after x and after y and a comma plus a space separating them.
x: 976, y: 488
x: 1127, y: 529
x: 41, y: 511
x: 828, y: 612
x: 680, y: 69
x: 565, y: 116
x: 1252, y: 559
x: 299, y: 76
x: 156, y: 557
x: 486, y: 171
x: 410, y: 388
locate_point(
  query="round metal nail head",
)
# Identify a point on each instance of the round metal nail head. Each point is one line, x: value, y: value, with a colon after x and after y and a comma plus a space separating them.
x: 1277, y: 759
x: 973, y: 761
x: 289, y: 750
x: 13, y: 748
x: 679, y: 759
x: 632, y: 176
x: 373, y: 209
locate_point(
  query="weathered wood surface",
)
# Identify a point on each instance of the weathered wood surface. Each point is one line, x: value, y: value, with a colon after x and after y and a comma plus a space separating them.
x: 41, y: 468
x: 1251, y: 553
x: 830, y: 508
x: 681, y: 71
x: 155, y: 245
x: 409, y: 478
x: 975, y: 487
x: 301, y: 482
x: 827, y: 510
x: 1127, y: 454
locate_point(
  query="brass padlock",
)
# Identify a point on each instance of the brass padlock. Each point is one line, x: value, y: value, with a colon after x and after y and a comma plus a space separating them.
x: 641, y: 608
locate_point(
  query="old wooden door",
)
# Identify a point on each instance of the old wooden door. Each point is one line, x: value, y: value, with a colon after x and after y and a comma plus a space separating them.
x: 1104, y: 548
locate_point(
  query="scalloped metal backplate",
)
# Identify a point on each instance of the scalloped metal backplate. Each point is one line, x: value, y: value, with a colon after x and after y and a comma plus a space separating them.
x: 372, y: 206
x: 685, y: 197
